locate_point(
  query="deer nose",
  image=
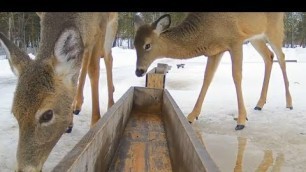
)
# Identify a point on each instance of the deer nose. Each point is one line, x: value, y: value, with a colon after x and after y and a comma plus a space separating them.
x: 139, y: 72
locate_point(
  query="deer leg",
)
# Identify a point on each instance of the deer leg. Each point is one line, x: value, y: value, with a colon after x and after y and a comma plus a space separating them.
x: 266, y: 162
x: 94, y: 74
x: 236, y: 56
x: 267, y: 56
x: 241, y: 148
x: 69, y: 129
x: 78, y: 100
x: 277, y: 48
x: 211, y: 66
x: 110, y: 35
x: 279, y: 161
x: 108, y: 60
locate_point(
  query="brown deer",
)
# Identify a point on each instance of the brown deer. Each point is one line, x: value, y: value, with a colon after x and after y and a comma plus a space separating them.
x: 211, y: 34
x: 46, y: 88
x: 93, y: 60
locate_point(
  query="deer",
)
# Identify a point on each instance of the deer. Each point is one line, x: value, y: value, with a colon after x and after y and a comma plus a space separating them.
x: 47, y: 90
x: 211, y: 34
x: 89, y: 61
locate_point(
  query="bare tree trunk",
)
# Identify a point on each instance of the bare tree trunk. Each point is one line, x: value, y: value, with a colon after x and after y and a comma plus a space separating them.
x: 302, y: 41
x: 120, y: 42
x: 11, y: 25
x: 24, y: 32
x: 114, y: 43
x: 291, y: 34
x: 131, y: 40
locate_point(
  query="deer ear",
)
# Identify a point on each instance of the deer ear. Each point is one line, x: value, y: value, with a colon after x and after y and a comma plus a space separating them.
x: 18, y: 59
x: 138, y: 21
x: 68, y: 51
x: 162, y: 24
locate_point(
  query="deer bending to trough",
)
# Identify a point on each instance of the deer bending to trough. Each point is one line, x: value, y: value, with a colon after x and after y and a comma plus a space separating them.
x: 211, y: 34
x: 47, y: 86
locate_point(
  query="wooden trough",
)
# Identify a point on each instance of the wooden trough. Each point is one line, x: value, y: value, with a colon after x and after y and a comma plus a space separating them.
x: 143, y: 131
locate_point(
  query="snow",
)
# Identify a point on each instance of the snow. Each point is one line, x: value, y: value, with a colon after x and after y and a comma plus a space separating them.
x: 2, y: 57
x: 275, y: 137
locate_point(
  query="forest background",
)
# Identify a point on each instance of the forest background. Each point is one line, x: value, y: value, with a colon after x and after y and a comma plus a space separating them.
x: 23, y: 28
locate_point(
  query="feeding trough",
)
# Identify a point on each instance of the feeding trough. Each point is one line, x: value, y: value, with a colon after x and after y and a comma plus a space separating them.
x: 144, y: 130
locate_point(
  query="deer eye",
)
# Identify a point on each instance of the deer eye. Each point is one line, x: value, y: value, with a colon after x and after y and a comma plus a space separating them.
x: 46, y: 116
x: 147, y: 47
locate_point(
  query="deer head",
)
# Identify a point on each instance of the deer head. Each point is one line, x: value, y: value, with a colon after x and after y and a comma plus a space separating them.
x: 44, y: 94
x: 149, y: 46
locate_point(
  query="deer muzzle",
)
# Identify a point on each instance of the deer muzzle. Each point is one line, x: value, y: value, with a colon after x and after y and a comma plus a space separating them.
x: 139, y: 72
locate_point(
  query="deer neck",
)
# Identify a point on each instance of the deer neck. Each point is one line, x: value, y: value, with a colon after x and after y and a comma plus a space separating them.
x: 177, y: 47
x: 182, y: 41
x: 189, y: 39
x: 46, y: 48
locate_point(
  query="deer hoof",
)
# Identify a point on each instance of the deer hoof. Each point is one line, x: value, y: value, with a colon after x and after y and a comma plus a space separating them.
x: 290, y: 108
x: 257, y: 108
x: 69, y: 129
x: 197, y: 118
x: 239, y: 127
x: 76, y: 112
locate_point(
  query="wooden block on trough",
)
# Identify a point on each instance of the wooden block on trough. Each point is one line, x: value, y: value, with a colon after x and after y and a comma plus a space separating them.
x: 157, y: 76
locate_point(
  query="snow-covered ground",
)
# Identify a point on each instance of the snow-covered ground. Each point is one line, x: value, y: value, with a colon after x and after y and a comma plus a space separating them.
x: 274, y: 138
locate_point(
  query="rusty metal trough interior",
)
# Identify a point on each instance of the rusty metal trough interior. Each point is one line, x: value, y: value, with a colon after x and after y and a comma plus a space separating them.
x: 143, y: 131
